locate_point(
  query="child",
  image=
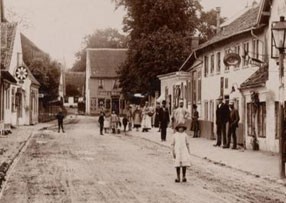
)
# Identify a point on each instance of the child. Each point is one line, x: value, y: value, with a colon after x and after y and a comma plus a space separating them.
x: 114, y: 122
x: 181, y: 151
x: 60, y: 117
x: 125, y: 122
x: 101, y: 122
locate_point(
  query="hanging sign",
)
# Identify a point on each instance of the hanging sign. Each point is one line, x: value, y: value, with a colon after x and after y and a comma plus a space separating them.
x: 21, y: 73
x: 231, y: 59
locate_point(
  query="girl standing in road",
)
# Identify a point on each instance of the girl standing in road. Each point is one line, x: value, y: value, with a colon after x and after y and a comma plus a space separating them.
x: 181, y: 152
x: 195, y: 126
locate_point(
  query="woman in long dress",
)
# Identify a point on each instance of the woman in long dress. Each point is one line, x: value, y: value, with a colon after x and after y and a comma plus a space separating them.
x: 147, y: 113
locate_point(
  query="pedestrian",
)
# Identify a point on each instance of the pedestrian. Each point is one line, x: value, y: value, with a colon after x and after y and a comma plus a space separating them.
x: 195, y: 126
x: 222, y: 117
x: 164, y: 119
x: 106, y: 123
x: 101, y: 122
x: 114, y: 120
x: 232, y: 125
x: 125, y: 122
x: 129, y: 117
x: 147, y: 113
x: 137, y: 118
x: 156, y: 119
x: 181, y: 151
x: 60, y: 117
x: 181, y: 114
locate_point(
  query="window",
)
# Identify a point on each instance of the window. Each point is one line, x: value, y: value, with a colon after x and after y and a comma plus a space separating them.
x: 237, y: 51
x: 194, y: 87
x: 245, y: 54
x: 218, y: 61
x: 226, y: 83
x: 221, y: 86
x: 206, y: 65
x: 13, y: 100
x: 100, y: 84
x: 107, y: 104
x: 75, y: 99
x: 212, y: 110
x: 206, y: 110
x: 227, y: 51
x: 255, y: 48
x: 115, y: 84
x: 276, y: 119
x: 66, y: 99
x: 199, y: 86
x: 212, y: 64
x: 258, y: 119
x: 93, y: 104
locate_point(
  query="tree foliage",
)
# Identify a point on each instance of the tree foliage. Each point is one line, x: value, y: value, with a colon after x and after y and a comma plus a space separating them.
x: 160, y: 36
x: 44, y: 69
x: 103, y: 38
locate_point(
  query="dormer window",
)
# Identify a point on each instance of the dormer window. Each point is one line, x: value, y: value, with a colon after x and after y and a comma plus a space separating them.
x: 100, y: 84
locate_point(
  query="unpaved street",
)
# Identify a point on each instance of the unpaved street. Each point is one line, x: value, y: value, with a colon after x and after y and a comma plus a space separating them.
x: 83, y: 166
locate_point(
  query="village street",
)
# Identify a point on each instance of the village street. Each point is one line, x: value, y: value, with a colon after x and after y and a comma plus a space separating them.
x: 83, y: 166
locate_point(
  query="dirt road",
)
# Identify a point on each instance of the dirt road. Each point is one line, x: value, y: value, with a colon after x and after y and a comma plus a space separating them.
x: 83, y: 166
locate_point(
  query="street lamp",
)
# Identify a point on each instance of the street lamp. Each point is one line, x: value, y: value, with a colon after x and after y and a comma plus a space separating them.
x: 278, y: 30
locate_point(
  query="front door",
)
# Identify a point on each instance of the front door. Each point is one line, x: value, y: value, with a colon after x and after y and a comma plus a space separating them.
x: 115, y: 105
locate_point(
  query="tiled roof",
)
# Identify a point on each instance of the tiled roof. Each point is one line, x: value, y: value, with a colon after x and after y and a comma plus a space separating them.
x: 8, y: 33
x: 105, y: 62
x: 244, y: 22
x: 75, y: 78
x: 257, y: 79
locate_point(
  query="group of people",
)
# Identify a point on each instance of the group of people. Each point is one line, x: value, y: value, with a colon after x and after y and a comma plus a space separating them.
x: 226, y: 113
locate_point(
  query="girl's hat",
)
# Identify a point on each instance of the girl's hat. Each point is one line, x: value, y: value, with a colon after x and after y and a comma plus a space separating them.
x: 180, y: 125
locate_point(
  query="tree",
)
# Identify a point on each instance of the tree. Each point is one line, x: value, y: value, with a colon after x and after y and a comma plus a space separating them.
x: 160, y: 34
x: 160, y: 40
x: 105, y: 38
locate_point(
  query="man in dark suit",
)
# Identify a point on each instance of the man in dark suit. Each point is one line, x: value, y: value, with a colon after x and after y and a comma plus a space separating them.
x: 164, y: 119
x: 232, y: 125
x: 222, y: 117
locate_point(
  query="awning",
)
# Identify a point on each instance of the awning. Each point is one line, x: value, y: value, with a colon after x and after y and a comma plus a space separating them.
x: 7, y: 76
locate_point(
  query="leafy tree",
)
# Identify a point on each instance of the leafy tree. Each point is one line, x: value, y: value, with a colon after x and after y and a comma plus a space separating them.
x: 71, y: 90
x: 105, y: 38
x: 160, y: 35
x: 160, y: 40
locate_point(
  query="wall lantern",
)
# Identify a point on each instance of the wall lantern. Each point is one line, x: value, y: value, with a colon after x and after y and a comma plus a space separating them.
x: 278, y: 31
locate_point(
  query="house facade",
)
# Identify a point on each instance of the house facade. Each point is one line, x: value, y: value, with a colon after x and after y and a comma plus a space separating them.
x: 102, y: 80
x: 20, y: 100
x: 251, y: 84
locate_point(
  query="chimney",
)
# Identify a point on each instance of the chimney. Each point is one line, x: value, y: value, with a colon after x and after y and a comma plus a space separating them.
x: 195, y: 42
x: 218, y: 19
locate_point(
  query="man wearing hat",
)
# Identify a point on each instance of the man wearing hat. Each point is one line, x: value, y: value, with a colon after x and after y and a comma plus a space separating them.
x: 164, y: 119
x: 222, y: 117
x: 233, y: 124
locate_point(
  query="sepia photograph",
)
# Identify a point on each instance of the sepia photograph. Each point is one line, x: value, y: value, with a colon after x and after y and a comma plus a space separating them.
x: 142, y: 101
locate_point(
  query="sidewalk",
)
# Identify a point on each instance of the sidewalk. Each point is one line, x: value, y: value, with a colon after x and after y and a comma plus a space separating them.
x: 260, y: 164
x: 11, y: 145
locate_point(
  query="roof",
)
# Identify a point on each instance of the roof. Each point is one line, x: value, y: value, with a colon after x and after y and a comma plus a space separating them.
x: 7, y: 76
x: 257, y: 79
x: 31, y: 76
x: 8, y: 34
x: 105, y: 62
x: 243, y: 23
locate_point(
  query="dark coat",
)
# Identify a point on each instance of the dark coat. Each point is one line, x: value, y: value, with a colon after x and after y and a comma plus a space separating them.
x: 164, y: 117
x: 233, y: 118
x: 222, y: 114
x: 195, y: 126
x: 60, y: 116
x: 101, y: 119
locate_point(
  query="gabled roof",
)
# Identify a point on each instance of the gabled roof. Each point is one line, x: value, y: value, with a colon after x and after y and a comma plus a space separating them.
x: 257, y: 79
x: 31, y: 76
x: 8, y: 34
x: 105, y: 62
x: 243, y: 23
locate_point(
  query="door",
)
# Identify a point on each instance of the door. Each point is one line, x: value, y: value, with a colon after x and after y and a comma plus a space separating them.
x: 115, y: 105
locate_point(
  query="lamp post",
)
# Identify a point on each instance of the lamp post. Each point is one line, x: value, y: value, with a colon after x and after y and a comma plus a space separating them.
x: 278, y: 30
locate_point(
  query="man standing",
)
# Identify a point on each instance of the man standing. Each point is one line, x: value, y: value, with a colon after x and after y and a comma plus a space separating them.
x: 164, y: 119
x: 181, y: 114
x: 222, y: 117
x: 232, y: 125
x: 60, y: 116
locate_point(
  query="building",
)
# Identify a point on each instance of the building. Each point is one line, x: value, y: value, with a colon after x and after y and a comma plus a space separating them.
x: 102, y: 80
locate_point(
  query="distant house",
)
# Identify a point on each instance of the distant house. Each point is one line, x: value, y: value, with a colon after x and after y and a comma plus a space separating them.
x: 19, y: 105
x: 74, y: 88
x: 102, y: 81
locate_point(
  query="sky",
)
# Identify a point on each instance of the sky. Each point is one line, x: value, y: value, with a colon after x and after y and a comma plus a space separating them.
x: 59, y: 26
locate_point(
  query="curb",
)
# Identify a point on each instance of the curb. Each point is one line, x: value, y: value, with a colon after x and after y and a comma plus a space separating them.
x: 271, y: 179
